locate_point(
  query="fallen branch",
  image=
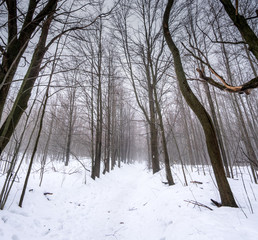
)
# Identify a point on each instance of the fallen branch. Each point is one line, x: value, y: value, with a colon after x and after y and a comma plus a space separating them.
x: 198, y: 204
x: 165, y: 183
x: 197, y: 182
x: 48, y: 193
x: 80, y: 162
x: 216, y: 203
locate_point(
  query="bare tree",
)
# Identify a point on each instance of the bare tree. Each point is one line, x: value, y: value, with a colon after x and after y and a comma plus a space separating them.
x: 204, y: 118
x: 144, y: 66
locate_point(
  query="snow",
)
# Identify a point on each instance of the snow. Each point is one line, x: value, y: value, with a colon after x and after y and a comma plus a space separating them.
x: 129, y: 203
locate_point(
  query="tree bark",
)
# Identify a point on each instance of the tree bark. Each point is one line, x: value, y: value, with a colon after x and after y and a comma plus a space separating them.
x: 21, y: 101
x: 17, y: 45
x: 226, y: 195
x: 98, y: 139
x: 240, y: 22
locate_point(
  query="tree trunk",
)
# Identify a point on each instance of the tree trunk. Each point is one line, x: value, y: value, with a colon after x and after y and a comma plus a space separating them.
x: 71, y: 118
x: 21, y: 101
x: 153, y: 138
x: 240, y: 22
x: 164, y: 140
x: 98, y: 142
x: 17, y: 43
x: 226, y: 195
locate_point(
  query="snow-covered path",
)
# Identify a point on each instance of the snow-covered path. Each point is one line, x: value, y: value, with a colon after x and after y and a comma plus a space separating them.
x: 126, y: 204
x: 112, y: 208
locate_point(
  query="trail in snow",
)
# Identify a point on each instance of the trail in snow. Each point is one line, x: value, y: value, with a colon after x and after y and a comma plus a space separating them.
x: 126, y: 204
x: 110, y: 208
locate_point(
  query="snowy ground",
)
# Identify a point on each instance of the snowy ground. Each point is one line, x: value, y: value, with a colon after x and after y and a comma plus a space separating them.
x: 127, y: 204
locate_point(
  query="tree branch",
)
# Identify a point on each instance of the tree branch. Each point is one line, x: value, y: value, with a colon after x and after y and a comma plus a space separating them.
x: 79, y: 27
x: 245, y: 88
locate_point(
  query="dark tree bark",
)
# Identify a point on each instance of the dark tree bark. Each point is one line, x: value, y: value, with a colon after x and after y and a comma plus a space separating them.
x: 24, y: 93
x: 71, y: 113
x: 240, y: 22
x: 226, y: 195
x: 109, y: 111
x: 17, y: 44
x: 99, y: 127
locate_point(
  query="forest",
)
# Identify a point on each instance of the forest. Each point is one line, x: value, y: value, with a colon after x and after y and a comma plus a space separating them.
x: 120, y: 95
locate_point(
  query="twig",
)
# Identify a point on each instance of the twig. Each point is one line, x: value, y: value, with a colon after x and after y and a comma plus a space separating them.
x: 196, y: 182
x: 48, y: 193
x: 216, y: 203
x: 198, y: 204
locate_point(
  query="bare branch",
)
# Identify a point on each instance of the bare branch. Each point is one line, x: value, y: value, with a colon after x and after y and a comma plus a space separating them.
x: 245, y: 88
x: 198, y: 204
x: 79, y: 27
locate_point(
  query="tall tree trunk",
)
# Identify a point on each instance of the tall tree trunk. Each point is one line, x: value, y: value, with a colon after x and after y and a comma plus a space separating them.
x: 226, y: 195
x: 17, y: 43
x: 217, y: 129
x: 188, y: 137
x: 68, y: 144
x: 153, y: 136
x: 113, y: 131
x: 34, y: 150
x: 164, y: 140
x: 45, y: 152
x: 98, y: 142
x: 71, y: 118
x: 21, y: 101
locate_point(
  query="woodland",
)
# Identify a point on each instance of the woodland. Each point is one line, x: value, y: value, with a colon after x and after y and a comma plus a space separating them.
x: 105, y: 83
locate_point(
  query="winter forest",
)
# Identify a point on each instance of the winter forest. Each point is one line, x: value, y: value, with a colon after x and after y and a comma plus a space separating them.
x: 128, y: 119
